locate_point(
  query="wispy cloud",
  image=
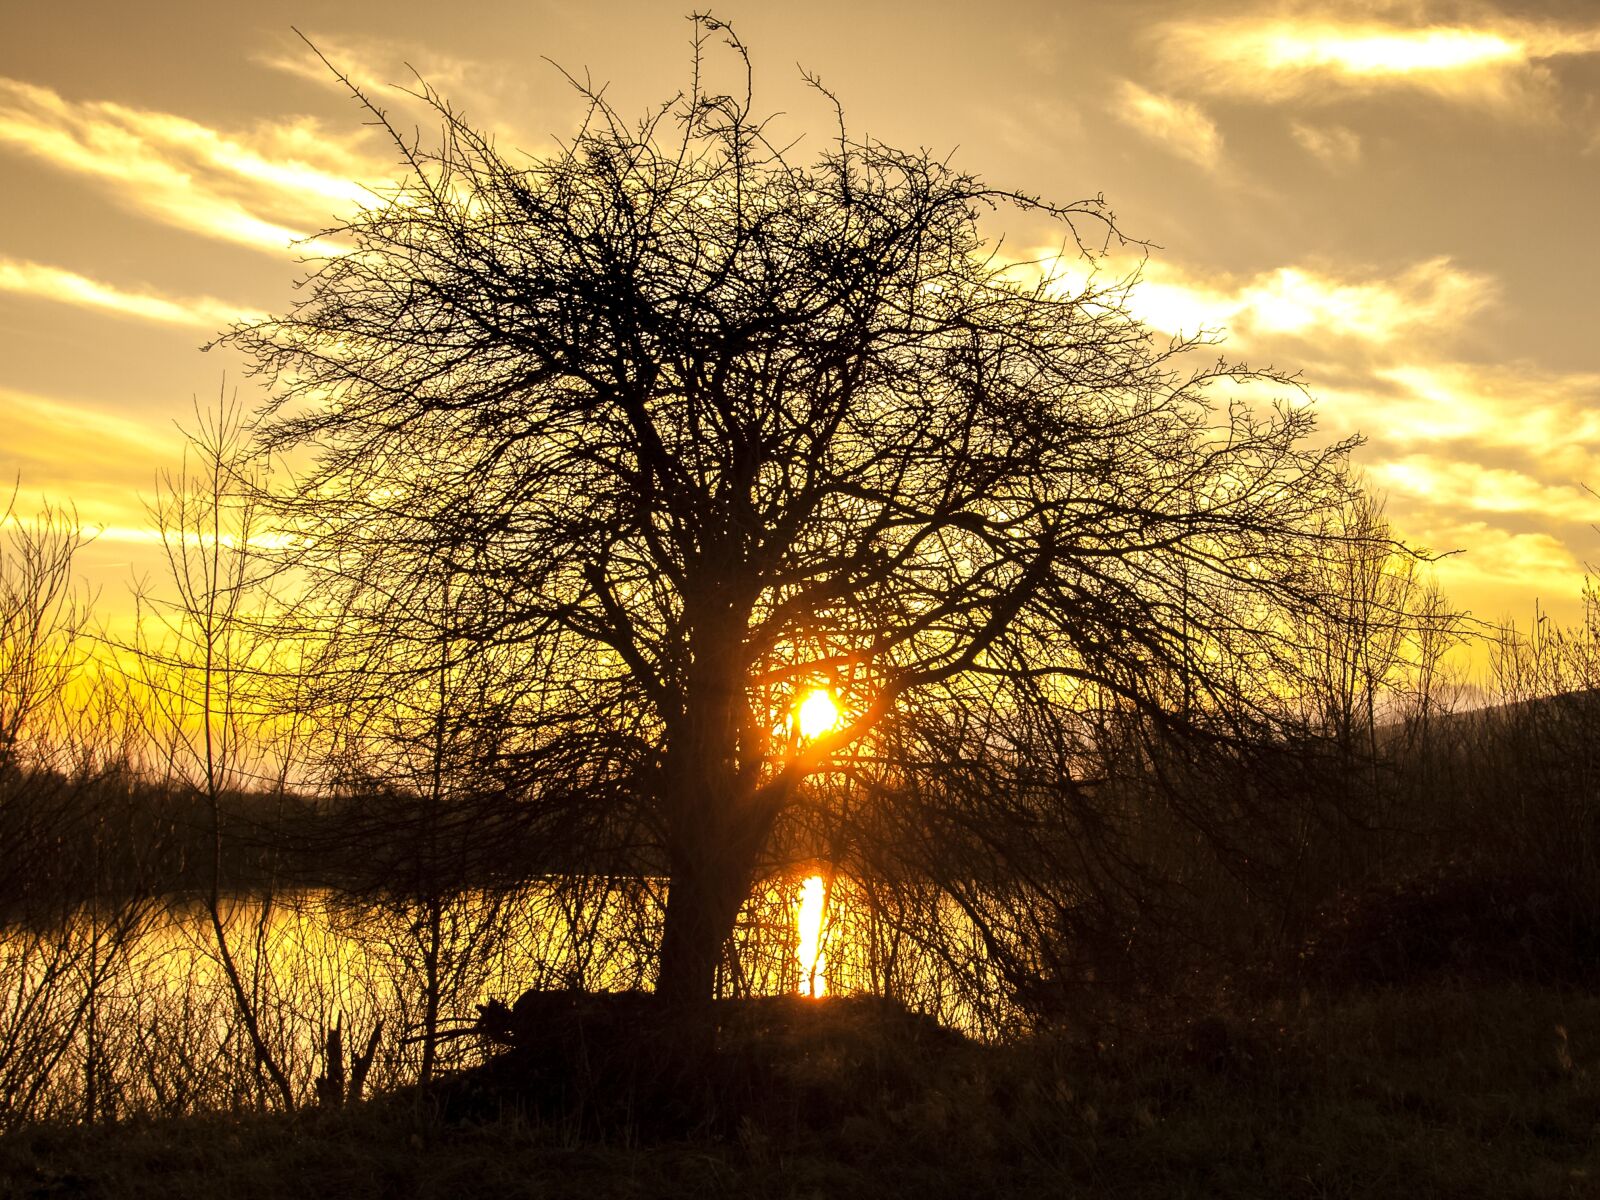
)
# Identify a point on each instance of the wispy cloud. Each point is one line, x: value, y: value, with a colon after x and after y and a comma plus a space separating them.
x: 392, y: 73
x: 114, y: 434
x: 1487, y: 458
x: 1503, y: 570
x: 262, y: 188
x: 1335, y: 145
x: 1497, y: 63
x: 66, y: 287
x: 1492, y: 411
x: 101, y: 459
x: 372, y: 63
x: 1307, y: 302
x: 1451, y: 482
x: 1181, y: 126
x: 103, y: 463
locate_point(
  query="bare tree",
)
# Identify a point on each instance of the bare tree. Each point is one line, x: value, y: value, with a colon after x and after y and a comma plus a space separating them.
x: 203, y: 654
x: 1378, y: 628
x: 408, y: 755
x: 78, y: 895
x: 42, y: 620
x: 707, y: 428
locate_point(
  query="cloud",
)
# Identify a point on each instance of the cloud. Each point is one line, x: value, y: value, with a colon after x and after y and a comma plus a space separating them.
x: 371, y: 63
x: 1490, y: 460
x: 100, y: 459
x: 1335, y: 145
x: 264, y: 188
x: 1463, y: 486
x: 1487, y: 458
x: 1179, y: 125
x: 1511, y: 409
x: 391, y: 73
x: 1497, y: 64
x: 1308, y: 303
x: 53, y: 283
x: 1313, y: 304
x: 1500, y: 570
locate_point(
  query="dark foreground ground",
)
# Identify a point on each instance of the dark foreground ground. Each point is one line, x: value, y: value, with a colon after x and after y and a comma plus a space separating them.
x: 1448, y: 1091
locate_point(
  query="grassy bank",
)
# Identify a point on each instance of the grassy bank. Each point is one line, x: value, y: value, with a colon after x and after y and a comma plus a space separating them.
x: 1444, y: 1091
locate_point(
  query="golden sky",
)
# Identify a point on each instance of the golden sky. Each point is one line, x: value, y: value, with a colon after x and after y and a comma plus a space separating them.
x: 1397, y: 200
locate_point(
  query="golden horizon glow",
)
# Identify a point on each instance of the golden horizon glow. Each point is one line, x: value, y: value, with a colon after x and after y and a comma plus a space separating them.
x: 817, y: 713
x: 809, y: 920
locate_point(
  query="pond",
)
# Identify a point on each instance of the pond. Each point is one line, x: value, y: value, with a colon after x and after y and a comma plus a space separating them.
x: 132, y: 1011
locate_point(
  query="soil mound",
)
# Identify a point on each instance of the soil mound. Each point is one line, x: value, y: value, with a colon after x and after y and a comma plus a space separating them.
x: 624, y: 1063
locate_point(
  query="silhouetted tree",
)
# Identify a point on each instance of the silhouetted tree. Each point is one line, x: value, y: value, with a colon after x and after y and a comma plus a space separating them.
x: 694, y: 428
x: 42, y: 619
x: 202, y: 656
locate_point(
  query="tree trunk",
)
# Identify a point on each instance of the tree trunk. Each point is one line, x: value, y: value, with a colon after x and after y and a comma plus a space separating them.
x: 714, y: 856
x: 703, y: 901
x: 716, y: 826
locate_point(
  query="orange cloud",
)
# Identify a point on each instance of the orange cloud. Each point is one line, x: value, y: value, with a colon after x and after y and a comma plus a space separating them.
x: 1501, y: 572
x: 1180, y: 126
x: 1450, y: 482
x: 104, y: 463
x: 1487, y: 459
x: 391, y: 72
x: 1275, y: 58
x: 1335, y: 145
x: 264, y: 189
x: 1513, y: 408
x: 65, y: 287
x: 1312, y: 303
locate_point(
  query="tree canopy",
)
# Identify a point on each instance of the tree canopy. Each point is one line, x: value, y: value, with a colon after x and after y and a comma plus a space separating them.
x: 665, y: 428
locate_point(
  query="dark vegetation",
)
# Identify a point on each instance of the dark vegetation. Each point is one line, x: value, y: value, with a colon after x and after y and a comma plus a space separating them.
x: 1480, y: 1091
x: 442, y: 818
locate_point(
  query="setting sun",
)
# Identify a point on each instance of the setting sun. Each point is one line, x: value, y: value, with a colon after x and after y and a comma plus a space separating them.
x: 817, y: 713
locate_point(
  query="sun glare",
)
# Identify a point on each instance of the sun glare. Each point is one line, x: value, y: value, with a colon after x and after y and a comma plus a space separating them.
x: 813, y: 902
x: 817, y: 714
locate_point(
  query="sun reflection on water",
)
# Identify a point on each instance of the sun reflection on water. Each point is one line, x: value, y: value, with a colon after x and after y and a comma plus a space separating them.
x: 813, y: 903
